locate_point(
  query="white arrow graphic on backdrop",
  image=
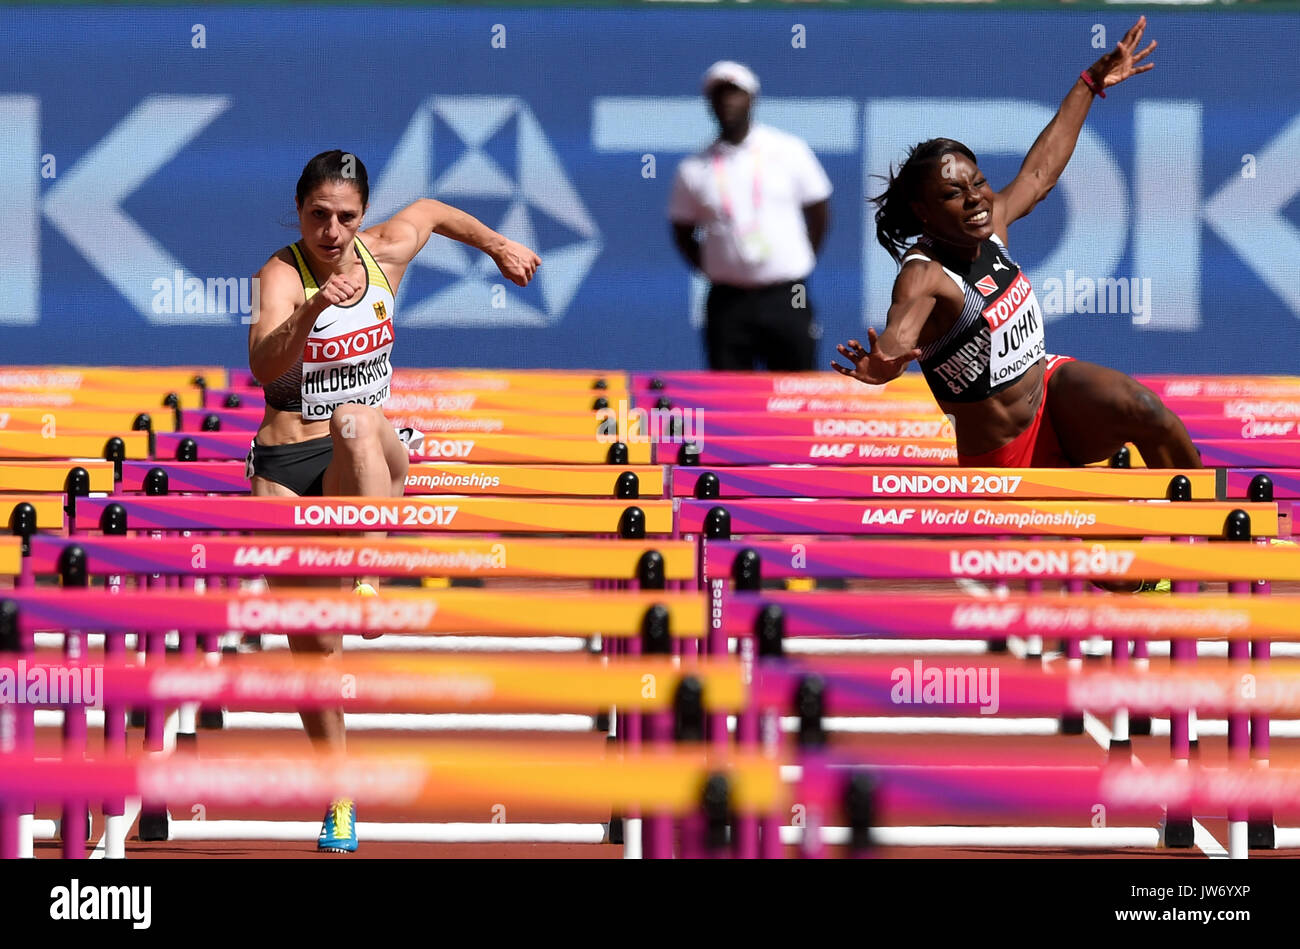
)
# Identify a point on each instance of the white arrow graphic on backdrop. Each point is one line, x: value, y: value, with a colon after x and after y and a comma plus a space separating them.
x: 85, y: 204
x: 1244, y: 214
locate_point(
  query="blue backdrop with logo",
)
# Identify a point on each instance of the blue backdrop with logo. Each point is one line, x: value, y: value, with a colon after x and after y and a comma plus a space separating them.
x: 149, y: 151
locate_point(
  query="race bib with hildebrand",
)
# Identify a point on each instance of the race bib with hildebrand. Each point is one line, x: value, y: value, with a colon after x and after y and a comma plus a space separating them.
x: 1016, y: 331
x: 351, y: 365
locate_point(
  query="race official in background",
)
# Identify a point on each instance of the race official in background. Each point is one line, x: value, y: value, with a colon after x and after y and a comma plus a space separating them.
x: 761, y: 200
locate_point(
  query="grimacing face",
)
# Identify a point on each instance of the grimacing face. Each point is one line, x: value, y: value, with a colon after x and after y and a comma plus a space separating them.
x: 330, y: 217
x: 956, y: 202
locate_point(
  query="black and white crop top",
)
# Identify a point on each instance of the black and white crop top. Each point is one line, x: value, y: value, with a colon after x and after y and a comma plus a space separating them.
x: 997, y: 337
x: 346, y: 357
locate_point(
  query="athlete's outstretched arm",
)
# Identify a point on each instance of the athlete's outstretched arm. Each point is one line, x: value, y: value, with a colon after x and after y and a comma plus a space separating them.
x: 1055, y: 144
x: 888, y: 354
x: 406, y: 232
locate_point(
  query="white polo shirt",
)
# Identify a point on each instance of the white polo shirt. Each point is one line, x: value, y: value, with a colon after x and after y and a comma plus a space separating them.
x: 749, y: 198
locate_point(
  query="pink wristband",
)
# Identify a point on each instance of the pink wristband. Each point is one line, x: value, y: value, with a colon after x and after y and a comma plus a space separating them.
x: 1088, y: 81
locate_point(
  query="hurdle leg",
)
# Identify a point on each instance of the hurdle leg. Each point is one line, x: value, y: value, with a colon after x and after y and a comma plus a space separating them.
x: 1034, y: 641
x: 187, y: 715
x: 24, y: 736
x: 634, y: 723
x: 811, y: 845
x: 115, y: 827
x: 1260, y: 829
x: 9, y: 819
x: 1238, y: 742
x: 657, y: 829
x: 1238, y: 751
x: 74, y: 825
x: 1121, y: 746
x: 1178, y: 832
x: 188, y: 645
x: 214, y: 719
x: 1072, y: 720
x: 1140, y: 724
x: 154, y: 819
x: 10, y: 808
x: 716, y: 646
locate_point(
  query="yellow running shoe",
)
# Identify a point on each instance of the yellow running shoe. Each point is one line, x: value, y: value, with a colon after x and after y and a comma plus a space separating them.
x: 365, y: 589
x: 338, y: 832
x: 1156, y: 587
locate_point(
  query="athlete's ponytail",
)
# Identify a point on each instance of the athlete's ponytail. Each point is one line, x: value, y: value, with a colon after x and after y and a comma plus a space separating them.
x: 896, y: 222
x: 335, y: 165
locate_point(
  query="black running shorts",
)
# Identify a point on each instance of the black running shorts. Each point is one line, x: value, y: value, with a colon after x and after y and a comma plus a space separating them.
x: 300, y: 467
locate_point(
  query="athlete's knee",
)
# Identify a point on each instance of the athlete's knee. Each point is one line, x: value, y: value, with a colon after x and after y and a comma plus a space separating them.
x: 325, y: 646
x: 398, y: 467
x: 352, y: 426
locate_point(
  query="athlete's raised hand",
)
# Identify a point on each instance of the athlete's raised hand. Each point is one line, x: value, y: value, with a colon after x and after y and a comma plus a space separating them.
x: 339, y: 288
x: 1122, y: 61
x: 870, y: 365
x: 516, y: 262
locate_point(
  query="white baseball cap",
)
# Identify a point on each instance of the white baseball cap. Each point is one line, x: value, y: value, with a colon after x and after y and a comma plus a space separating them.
x: 734, y: 73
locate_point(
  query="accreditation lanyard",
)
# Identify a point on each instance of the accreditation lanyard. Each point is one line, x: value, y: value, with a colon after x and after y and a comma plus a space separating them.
x: 719, y: 174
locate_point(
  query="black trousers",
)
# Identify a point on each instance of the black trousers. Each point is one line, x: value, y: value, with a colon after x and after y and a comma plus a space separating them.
x: 760, y: 327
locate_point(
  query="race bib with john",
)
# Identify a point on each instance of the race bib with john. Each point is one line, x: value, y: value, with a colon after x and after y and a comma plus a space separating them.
x: 1016, y: 332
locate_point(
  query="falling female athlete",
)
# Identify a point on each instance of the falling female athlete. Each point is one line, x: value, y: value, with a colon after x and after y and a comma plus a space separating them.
x: 966, y: 311
x: 320, y: 346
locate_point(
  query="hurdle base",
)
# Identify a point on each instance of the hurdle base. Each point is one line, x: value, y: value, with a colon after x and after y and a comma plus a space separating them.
x: 212, y: 719
x: 154, y: 826
x: 1072, y: 724
x: 1121, y: 749
x: 187, y: 741
x: 1177, y: 834
x: 615, y: 833
x: 1260, y: 835
x: 1139, y: 725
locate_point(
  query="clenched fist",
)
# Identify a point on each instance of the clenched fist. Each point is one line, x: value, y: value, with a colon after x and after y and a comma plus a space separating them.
x: 339, y: 289
x: 517, y: 263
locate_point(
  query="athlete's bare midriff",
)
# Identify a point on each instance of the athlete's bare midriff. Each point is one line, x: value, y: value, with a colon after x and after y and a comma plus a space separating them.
x: 283, y: 427
x: 986, y: 426
x: 989, y: 424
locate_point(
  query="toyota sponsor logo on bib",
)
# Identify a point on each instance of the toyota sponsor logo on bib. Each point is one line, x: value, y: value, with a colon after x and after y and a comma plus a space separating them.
x: 1005, y: 306
x: 348, y: 346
